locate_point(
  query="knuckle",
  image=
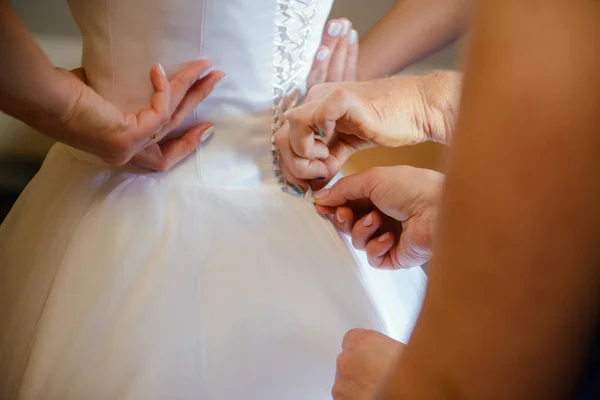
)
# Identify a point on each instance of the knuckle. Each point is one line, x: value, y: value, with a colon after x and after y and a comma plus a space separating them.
x: 162, y: 166
x: 293, y: 117
x: 117, y: 161
x: 339, y: 94
x: 337, y: 391
x: 421, y: 239
x: 341, y: 361
x: 355, y: 336
x: 298, y: 167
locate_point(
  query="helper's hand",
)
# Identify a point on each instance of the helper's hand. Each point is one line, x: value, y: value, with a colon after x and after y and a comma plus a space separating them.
x: 96, y: 126
x: 391, y: 212
x: 363, y: 364
x: 338, y: 119
x: 337, y: 57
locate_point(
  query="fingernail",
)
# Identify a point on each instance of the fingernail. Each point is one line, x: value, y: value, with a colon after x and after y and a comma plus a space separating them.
x: 322, y: 54
x: 320, y: 132
x: 384, y: 237
x: 335, y: 28
x: 297, y: 189
x: 322, y: 178
x: 339, y: 218
x: 162, y: 70
x: 346, y: 28
x: 368, y: 221
x: 322, y: 194
x: 353, y: 37
x: 207, y: 134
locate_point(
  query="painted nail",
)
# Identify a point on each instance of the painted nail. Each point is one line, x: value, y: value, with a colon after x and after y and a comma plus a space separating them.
x: 162, y: 70
x: 297, y: 189
x: 339, y: 218
x: 346, y: 27
x: 322, y: 178
x: 322, y: 194
x: 320, y: 132
x: 368, y: 221
x: 207, y: 134
x: 323, y: 54
x: 353, y: 37
x: 384, y: 237
x: 335, y: 28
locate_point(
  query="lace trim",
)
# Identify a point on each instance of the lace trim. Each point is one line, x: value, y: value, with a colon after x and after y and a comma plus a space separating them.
x: 293, y: 23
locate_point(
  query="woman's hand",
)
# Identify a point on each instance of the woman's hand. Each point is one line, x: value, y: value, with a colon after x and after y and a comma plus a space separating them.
x: 338, y: 119
x: 390, y: 212
x: 96, y: 126
x: 363, y: 364
x: 337, y: 57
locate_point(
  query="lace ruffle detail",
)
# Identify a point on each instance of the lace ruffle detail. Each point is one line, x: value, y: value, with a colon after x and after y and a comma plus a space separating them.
x: 293, y: 23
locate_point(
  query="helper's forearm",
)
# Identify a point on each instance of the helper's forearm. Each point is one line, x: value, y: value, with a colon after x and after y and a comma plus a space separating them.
x: 436, y: 101
x: 512, y: 301
x: 411, y: 30
x: 31, y: 89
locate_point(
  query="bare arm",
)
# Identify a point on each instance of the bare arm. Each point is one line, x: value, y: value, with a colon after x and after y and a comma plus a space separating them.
x: 31, y: 89
x: 59, y: 104
x: 411, y: 30
x: 513, y: 291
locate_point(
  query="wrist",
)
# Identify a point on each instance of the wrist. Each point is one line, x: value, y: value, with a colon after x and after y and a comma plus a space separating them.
x: 47, y: 109
x: 440, y: 96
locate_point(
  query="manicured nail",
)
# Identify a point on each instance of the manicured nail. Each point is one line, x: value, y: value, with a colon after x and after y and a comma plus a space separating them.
x: 339, y: 218
x: 320, y: 132
x: 162, y: 70
x: 353, y: 37
x: 322, y: 178
x: 384, y: 237
x: 368, y: 221
x: 297, y: 189
x: 346, y: 28
x: 322, y: 54
x: 335, y: 28
x: 207, y: 134
x: 322, y: 194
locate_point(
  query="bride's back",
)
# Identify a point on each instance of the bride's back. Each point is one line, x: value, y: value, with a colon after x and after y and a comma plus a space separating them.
x: 251, y: 40
x: 264, y: 47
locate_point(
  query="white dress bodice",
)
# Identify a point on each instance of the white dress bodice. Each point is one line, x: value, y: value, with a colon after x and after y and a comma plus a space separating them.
x: 264, y: 46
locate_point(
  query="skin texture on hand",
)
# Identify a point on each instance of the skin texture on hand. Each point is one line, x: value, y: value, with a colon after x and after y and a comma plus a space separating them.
x: 390, y: 212
x: 94, y: 125
x: 390, y: 112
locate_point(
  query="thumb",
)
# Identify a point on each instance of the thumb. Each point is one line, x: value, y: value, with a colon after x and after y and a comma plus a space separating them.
x: 349, y: 188
x: 415, y: 245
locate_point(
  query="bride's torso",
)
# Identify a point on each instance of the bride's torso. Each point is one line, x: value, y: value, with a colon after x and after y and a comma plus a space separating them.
x: 264, y: 47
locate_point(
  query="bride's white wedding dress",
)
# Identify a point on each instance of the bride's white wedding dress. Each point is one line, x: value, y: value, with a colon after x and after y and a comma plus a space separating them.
x: 210, y: 281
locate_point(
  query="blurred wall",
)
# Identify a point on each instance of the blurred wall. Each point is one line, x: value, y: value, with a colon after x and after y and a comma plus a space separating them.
x: 52, y: 17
